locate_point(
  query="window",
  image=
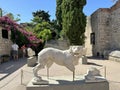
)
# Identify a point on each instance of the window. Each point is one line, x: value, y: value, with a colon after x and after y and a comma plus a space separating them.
x: 4, y: 33
x: 92, y: 38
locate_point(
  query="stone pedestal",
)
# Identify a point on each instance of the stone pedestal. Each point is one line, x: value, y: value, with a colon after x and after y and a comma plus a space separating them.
x: 114, y: 55
x: 84, y: 60
x: 66, y: 83
x: 31, y: 61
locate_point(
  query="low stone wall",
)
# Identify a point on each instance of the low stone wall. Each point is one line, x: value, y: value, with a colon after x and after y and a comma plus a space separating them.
x: 117, y: 59
x: 114, y: 55
x: 5, y: 44
x: 59, y: 44
x: 4, y: 58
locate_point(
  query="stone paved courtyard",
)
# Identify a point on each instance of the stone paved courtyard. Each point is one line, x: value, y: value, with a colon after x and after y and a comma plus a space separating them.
x: 11, y: 78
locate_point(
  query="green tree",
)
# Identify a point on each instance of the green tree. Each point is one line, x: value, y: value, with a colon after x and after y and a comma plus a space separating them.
x: 74, y: 21
x: 45, y: 34
x: 41, y: 26
x: 28, y: 27
x: 36, y: 20
x: 19, y: 37
x: 59, y: 14
x: 12, y: 17
x: 42, y: 15
x: 55, y: 29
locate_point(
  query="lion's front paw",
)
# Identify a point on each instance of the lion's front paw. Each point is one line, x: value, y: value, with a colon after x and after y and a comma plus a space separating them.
x: 37, y: 79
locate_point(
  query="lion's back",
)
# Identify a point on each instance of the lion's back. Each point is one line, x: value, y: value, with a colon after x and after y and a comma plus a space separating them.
x: 49, y: 51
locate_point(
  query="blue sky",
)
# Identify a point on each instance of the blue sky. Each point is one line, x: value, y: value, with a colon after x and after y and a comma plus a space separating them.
x: 26, y: 7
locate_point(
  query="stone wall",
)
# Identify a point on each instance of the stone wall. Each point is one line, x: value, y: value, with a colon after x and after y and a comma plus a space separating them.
x: 115, y: 29
x: 88, y: 44
x: 100, y: 26
x: 105, y: 23
x: 5, y: 44
x: 59, y: 44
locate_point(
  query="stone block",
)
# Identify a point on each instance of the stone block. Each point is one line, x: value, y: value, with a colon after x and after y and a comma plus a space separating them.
x: 65, y: 84
x: 31, y: 61
x: 84, y: 60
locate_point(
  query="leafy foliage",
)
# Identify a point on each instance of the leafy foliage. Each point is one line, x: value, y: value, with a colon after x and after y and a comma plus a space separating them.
x: 11, y: 16
x: 42, y: 15
x: 45, y: 34
x: 41, y: 26
x: 18, y: 33
x: 55, y: 29
x: 74, y: 21
x: 59, y: 13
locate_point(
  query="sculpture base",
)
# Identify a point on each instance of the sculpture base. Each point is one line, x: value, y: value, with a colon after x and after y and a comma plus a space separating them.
x: 31, y: 61
x: 42, y: 82
x: 66, y: 83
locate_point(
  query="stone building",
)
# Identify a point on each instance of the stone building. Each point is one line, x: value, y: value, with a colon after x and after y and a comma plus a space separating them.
x: 87, y: 35
x: 5, y: 42
x: 105, y: 24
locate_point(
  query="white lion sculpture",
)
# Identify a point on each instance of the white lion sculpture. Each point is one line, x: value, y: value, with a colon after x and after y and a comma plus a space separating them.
x: 68, y: 58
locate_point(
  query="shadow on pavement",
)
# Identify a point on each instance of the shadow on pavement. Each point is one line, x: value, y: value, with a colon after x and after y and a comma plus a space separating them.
x: 91, y: 63
x: 95, y: 58
x: 11, y: 66
x: 92, y: 58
